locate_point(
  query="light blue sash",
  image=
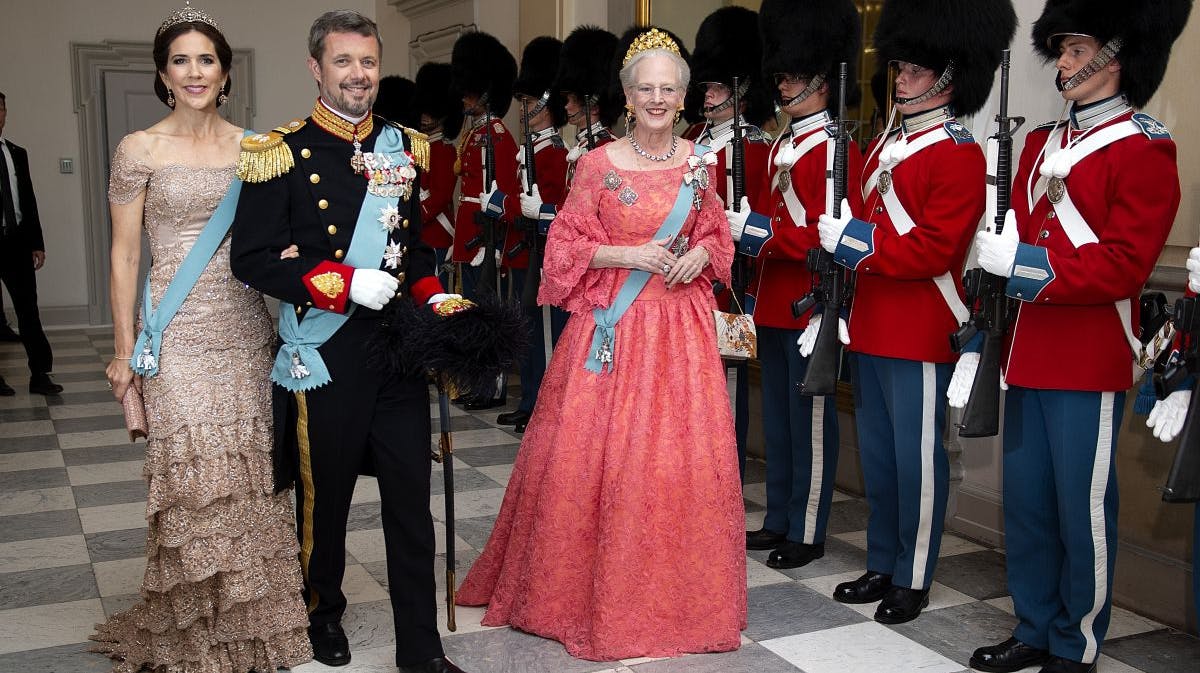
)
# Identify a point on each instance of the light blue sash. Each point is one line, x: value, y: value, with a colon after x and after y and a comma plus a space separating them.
x: 604, y: 336
x: 155, y: 320
x: 298, y: 365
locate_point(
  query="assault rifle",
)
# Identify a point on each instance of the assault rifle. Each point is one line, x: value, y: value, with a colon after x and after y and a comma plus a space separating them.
x: 1183, y: 481
x: 533, y: 239
x: 737, y: 164
x: 489, y: 225
x: 991, y: 308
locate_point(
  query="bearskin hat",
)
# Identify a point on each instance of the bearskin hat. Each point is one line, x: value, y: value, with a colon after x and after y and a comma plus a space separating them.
x: 480, y: 65
x: 932, y: 33
x: 539, y: 65
x: 810, y: 38
x: 616, y: 93
x: 1147, y: 30
x: 583, y: 68
x: 728, y: 46
x: 397, y: 101
x: 435, y: 99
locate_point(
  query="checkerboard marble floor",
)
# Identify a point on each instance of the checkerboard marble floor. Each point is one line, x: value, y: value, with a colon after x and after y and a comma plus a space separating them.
x: 72, y: 534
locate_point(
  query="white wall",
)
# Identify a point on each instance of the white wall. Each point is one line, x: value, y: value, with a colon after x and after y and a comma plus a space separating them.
x: 35, y: 75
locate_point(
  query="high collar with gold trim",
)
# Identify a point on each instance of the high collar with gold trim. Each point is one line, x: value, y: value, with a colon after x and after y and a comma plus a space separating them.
x: 922, y: 121
x: 337, y: 125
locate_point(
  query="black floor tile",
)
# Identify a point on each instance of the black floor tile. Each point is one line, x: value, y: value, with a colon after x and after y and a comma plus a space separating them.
x: 978, y: 574
x: 16, y: 415
x: 33, y: 443
x: 89, y: 423
x: 504, y: 454
x: 110, y: 493
x: 1167, y: 651
x: 956, y: 632
x: 88, y: 397
x: 27, y: 480
x: 39, y: 525
x: 778, y: 610
x: 47, y: 585
x: 90, y: 455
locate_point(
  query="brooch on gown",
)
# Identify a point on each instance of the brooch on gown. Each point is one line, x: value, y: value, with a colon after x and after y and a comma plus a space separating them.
x: 697, y: 175
x: 627, y: 196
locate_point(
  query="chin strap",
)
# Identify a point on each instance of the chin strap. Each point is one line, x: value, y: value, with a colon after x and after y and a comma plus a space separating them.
x: 537, y: 107
x: 813, y: 84
x: 938, y: 87
x: 1101, y: 59
x: 743, y: 87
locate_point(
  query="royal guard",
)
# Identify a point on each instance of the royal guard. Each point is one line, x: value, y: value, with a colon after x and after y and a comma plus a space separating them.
x: 440, y: 117
x: 542, y: 114
x: 727, y: 48
x: 482, y: 74
x: 397, y: 101
x: 1093, y: 201
x: 923, y: 186
x: 582, y: 80
x: 776, y: 227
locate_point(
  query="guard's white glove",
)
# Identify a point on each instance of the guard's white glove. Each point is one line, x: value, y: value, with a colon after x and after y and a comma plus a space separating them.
x: 737, y: 219
x: 1167, y: 416
x: 830, y: 228
x: 372, y: 288
x: 808, y: 338
x: 962, y: 379
x: 477, y: 260
x: 485, y: 197
x: 1193, y: 267
x: 996, y: 253
x: 424, y: 195
x: 531, y: 204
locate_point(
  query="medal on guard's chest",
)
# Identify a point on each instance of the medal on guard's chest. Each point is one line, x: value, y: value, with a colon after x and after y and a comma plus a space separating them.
x: 885, y: 182
x: 785, y: 179
x: 1056, y: 189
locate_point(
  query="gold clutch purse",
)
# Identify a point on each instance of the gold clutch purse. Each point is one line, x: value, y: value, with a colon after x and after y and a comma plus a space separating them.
x: 135, y: 413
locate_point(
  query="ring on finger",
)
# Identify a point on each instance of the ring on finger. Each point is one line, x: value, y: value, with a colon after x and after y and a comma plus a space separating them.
x: 666, y: 268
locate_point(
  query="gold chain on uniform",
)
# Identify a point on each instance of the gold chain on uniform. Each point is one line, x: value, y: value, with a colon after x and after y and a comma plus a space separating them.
x: 339, y: 127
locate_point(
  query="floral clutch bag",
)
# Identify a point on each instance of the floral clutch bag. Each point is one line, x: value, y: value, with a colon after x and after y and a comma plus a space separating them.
x: 737, y: 338
x: 135, y: 413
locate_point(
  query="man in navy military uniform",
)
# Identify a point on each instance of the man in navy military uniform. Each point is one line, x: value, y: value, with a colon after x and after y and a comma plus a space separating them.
x: 342, y: 413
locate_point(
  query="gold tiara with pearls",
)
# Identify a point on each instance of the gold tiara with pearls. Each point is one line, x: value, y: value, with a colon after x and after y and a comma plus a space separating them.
x: 651, y: 39
x: 187, y: 15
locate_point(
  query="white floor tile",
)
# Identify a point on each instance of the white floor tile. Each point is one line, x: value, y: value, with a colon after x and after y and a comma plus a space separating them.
x: 952, y: 545
x: 36, y: 500
x: 498, y: 473
x: 25, y: 428
x: 366, y: 489
x: 758, y: 574
x: 469, y: 439
x: 113, y: 517
x: 1125, y: 623
x: 754, y: 520
x: 1003, y: 603
x: 47, y: 552
x: 79, y: 440
x: 360, y: 587
x: 114, y: 578
x: 42, y: 626
x: 102, y: 473
x: 755, y: 493
x: 858, y: 538
x: 466, y: 619
x: 85, y: 410
x: 30, y: 460
x: 22, y: 400
x: 859, y: 648
x: 468, y: 504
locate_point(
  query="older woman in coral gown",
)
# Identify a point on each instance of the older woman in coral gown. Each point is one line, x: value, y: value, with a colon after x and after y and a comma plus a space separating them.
x: 621, y: 534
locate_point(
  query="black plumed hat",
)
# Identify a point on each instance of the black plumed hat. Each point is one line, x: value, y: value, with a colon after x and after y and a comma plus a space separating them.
x: 932, y: 33
x: 480, y: 65
x: 583, y: 67
x: 539, y: 65
x: 1147, y: 30
x: 397, y: 101
x: 728, y: 46
x: 811, y: 37
x: 435, y: 99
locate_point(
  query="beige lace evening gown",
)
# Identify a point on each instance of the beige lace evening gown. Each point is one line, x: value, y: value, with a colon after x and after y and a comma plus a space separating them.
x: 221, y: 592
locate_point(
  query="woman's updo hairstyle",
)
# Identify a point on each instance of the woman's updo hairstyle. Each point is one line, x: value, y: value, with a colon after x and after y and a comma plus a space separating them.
x: 162, y: 51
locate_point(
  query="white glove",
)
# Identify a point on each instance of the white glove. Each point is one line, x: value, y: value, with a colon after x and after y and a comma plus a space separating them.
x: 737, y: 219
x: 830, y: 228
x: 531, y: 204
x: 486, y: 197
x: 1167, y: 416
x: 477, y: 260
x: 424, y: 195
x: 808, y: 338
x: 1193, y: 267
x: 996, y: 253
x: 372, y: 288
x: 961, y: 380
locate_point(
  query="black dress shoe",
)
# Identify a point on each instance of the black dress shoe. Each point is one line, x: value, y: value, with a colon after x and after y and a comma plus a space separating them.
x: 329, y: 644
x: 794, y: 555
x: 1061, y: 665
x: 42, y: 385
x: 481, y: 404
x: 439, y: 665
x: 5, y: 389
x: 518, y: 417
x: 519, y: 428
x: 7, y: 334
x: 1010, y: 655
x: 901, y: 604
x: 764, y: 539
x: 866, y: 589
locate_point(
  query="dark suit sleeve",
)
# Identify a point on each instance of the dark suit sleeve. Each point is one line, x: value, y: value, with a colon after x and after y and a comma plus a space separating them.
x: 31, y: 224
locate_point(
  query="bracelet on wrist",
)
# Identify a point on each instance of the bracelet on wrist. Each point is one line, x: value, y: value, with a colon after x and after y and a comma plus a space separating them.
x: 118, y: 357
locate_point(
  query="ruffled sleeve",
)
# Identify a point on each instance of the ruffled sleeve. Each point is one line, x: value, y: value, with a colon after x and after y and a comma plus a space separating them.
x: 128, y: 174
x: 711, y: 231
x: 574, y: 237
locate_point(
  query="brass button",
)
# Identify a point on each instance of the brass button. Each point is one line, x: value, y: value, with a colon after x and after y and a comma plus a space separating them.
x: 306, y: 153
x: 322, y: 204
x: 339, y: 253
x: 404, y: 223
x: 314, y: 178
x: 1045, y: 234
x: 298, y: 309
x: 777, y: 218
x: 1051, y: 216
x: 331, y: 229
x: 332, y: 307
x: 308, y: 303
x: 878, y: 209
x: 400, y: 276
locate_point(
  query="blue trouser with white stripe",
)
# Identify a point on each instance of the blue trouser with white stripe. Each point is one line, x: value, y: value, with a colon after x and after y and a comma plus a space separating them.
x: 740, y: 398
x: 1060, y: 515
x: 900, y: 411
x: 801, y: 434
x: 533, y: 366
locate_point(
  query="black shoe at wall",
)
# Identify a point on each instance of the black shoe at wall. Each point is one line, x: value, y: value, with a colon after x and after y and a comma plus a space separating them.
x: 794, y: 555
x: 1007, y: 657
x: 866, y: 589
x: 41, y: 384
x: 901, y: 604
x: 764, y: 539
x: 518, y: 417
x: 329, y: 643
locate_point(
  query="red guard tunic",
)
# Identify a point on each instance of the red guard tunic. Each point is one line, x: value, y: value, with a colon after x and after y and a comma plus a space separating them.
x: 471, y: 172
x: 550, y: 169
x: 781, y: 274
x: 898, y: 310
x: 600, y: 134
x: 1127, y: 192
x: 437, y: 209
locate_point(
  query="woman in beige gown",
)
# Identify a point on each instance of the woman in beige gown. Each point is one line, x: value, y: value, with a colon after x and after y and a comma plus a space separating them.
x: 221, y: 591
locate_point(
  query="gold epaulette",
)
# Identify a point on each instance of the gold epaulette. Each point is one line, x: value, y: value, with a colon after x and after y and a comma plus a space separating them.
x: 265, y: 156
x: 419, y: 147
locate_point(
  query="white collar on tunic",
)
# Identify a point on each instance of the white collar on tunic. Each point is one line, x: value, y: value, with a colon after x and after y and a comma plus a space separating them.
x: 1084, y: 117
x: 804, y: 125
x: 928, y: 119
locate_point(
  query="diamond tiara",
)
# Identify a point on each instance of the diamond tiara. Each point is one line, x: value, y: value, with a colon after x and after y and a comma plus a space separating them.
x: 651, y: 39
x: 187, y: 15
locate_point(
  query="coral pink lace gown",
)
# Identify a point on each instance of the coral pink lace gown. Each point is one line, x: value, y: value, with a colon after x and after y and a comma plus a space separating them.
x: 622, y: 530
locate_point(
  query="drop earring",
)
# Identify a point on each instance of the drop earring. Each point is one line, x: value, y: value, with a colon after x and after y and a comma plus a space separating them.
x: 678, y: 113
x: 170, y: 99
x: 629, y: 118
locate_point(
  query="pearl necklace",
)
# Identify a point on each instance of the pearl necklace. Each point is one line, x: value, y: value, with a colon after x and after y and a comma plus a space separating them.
x: 654, y: 157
